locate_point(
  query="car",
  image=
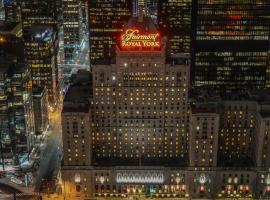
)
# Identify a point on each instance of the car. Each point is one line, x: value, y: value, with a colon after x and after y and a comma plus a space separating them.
x: 13, y: 179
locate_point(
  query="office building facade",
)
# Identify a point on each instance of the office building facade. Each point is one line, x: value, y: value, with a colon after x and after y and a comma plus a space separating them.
x: 106, y: 21
x: 231, y: 45
x: 12, y: 10
x: 174, y: 20
x: 41, y: 55
x: 72, y: 27
x: 39, y: 12
x: 17, y: 117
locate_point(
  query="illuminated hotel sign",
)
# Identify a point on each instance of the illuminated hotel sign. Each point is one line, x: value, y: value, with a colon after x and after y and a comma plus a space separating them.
x: 132, y: 38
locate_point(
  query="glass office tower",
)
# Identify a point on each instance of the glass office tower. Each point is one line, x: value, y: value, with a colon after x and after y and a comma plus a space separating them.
x: 174, y: 19
x: 72, y: 26
x: 39, y: 12
x: 106, y: 20
x: 231, y: 44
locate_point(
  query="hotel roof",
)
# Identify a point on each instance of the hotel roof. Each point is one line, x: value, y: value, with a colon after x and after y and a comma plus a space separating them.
x: 77, y: 98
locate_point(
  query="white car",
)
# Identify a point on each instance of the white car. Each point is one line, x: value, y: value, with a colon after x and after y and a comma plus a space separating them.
x: 16, y: 180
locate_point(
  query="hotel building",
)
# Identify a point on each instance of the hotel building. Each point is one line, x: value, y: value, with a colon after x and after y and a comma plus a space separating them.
x: 134, y: 131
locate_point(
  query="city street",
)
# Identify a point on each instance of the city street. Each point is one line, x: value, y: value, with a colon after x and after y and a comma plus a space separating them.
x: 50, y: 161
x: 82, y: 58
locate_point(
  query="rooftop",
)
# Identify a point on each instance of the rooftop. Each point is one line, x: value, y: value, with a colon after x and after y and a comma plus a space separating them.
x: 40, y: 33
x: 77, y: 98
x: 10, y: 66
x: 82, y: 76
x: 265, y: 114
x: 205, y: 108
x: 38, y: 91
x: 8, y: 26
x: 4, y: 65
x: 260, y: 95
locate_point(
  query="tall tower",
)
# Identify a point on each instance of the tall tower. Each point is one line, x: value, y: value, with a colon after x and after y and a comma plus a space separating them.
x: 39, y: 12
x: 72, y: 24
x: 12, y: 10
x: 232, y: 44
x: 174, y: 19
x: 41, y: 55
x: 143, y: 100
x: 106, y: 20
x: 16, y: 108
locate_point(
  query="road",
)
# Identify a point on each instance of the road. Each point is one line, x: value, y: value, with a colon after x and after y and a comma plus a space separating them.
x: 50, y: 162
x: 82, y: 58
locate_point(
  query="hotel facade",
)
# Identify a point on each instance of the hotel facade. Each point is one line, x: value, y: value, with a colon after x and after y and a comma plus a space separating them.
x: 133, y: 132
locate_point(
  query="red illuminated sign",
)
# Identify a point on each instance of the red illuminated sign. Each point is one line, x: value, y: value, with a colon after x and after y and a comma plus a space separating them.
x: 132, y: 38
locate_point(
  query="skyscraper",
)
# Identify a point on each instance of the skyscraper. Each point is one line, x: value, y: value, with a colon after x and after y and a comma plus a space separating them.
x: 174, y: 20
x: 41, y: 55
x: 16, y: 108
x: 72, y: 27
x: 106, y: 19
x: 39, y: 12
x: 12, y: 10
x: 149, y: 7
x: 231, y: 44
x: 138, y: 114
x: 11, y: 42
